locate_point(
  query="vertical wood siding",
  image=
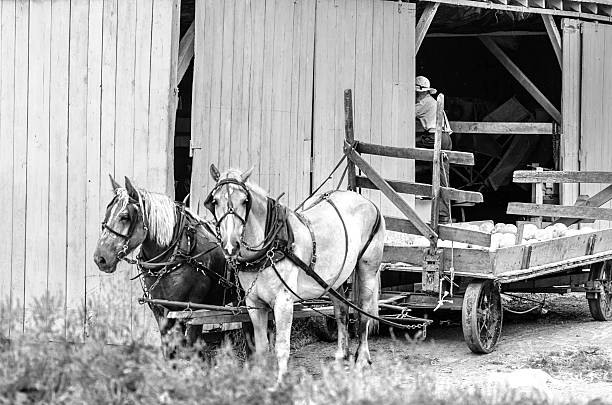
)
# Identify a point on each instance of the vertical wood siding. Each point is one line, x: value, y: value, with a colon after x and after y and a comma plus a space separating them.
x: 596, y: 104
x: 268, y: 88
x: 367, y: 46
x: 86, y: 90
x: 252, y: 93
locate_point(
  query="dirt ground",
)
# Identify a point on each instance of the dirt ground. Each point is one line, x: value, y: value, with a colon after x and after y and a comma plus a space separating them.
x: 564, y: 352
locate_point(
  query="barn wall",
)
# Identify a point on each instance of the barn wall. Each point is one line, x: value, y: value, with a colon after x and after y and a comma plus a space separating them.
x: 596, y: 104
x: 258, y: 66
x: 367, y: 46
x: 252, y: 93
x: 84, y: 92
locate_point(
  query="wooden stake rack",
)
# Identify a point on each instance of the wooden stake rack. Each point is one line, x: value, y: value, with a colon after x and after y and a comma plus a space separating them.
x: 589, y: 209
x: 412, y: 223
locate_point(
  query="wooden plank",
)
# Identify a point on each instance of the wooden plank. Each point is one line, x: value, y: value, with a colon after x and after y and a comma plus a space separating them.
x: 474, y: 261
x: 530, y: 176
x: 436, y: 165
x: 424, y: 22
x: 502, y: 128
x: 449, y: 232
x: 458, y: 158
x: 7, y: 161
x: 58, y: 152
x: 389, y: 192
x: 597, y: 200
x: 400, y: 225
x: 237, y: 118
x: 423, y: 190
x: 265, y: 177
x: 124, y: 128
x: 20, y: 148
x: 142, y: 69
x: 37, y: 203
x: 163, y: 97
x: 201, y: 105
x: 537, y: 3
x: 549, y: 210
x: 388, y: 105
x: 94, y: 206
x: 552, y: 255
x: 291, y: 181
x: 350, y: 136
x: 306, y: 93
x: 521, y: 78
x: 186, y: 50
x: 553, y: 34
x: 570, y: 106
x: 77, y: 156
x: 227, y: 57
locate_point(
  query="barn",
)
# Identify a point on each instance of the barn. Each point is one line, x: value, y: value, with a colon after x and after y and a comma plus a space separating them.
x: 156, y: 90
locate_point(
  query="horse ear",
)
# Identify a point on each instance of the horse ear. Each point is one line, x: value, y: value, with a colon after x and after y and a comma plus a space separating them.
x: 132, y: 192
x: 214, y: 172
x: 245, y: 176
x: 113, y: 182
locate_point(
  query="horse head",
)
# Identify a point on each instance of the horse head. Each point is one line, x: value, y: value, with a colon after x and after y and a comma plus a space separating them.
x: 124, y: 227
x: 230, y: 202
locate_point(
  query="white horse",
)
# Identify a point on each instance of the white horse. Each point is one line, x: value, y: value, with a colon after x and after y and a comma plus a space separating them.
x: 253, y: 228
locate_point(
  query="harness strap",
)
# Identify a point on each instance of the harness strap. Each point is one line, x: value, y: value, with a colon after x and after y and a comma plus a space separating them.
x: 310, y: 272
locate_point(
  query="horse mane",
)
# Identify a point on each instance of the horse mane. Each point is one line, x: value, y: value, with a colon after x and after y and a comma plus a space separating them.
x: 159, y: 213
x: 233, y: 173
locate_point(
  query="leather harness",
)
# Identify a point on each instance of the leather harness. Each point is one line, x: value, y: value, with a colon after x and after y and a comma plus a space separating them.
x: 279, y: 243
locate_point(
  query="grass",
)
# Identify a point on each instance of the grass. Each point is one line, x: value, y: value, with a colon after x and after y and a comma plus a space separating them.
x: 90, y: 371
x: 590, y: 364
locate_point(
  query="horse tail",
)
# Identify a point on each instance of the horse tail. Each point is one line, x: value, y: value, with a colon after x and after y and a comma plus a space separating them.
x: 377, y: 228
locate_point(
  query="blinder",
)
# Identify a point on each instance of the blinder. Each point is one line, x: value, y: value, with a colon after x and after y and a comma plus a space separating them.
x: 210, y: 204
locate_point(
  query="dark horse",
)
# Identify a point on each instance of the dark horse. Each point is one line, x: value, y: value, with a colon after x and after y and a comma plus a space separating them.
x: 179, y: 257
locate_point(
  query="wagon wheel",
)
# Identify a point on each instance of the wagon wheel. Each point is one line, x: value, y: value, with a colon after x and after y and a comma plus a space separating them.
x: 482, y: 316
x: 601, y: 303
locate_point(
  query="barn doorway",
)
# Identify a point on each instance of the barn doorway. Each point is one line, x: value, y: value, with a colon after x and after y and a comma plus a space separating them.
x: 479, y: 88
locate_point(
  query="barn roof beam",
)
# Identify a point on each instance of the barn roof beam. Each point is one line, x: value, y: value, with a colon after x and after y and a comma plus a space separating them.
x: 516, y: 72
x: 185, y: 52
x: 423, y: 25
x: 554, y: 35
x: 595, y: 10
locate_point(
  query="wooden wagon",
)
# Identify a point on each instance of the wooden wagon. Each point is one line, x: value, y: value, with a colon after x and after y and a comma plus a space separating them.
x: 464, y: 273
x: 467, y: 274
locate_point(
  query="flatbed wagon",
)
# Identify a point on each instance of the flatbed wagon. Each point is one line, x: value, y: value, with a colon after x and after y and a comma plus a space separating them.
x: 455, y: 266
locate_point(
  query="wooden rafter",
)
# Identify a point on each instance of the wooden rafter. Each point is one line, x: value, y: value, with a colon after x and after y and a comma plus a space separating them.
x: 554, y: 35
x: 554, y: 7
x: 185, y: 52
x: 424, y: 22
x: 516, y: 72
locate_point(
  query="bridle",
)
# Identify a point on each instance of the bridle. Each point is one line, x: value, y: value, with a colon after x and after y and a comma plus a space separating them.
x: 209, y: 203
x: 135, y: 208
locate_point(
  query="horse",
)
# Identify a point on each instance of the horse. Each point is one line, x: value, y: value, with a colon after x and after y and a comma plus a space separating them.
x: 179, y: 259
x: 282, y: 256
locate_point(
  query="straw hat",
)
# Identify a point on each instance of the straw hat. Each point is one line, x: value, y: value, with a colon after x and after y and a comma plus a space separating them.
x: 422, y: 85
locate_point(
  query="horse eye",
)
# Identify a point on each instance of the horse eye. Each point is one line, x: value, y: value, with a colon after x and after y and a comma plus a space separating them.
x: 124, y: 217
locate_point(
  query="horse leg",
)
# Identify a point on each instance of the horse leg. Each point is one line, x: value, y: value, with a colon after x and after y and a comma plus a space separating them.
x: 259, y: 317
x: 192, y: 334
x: 341, y: 314
x: 368, y: 301
x: 283, y: 316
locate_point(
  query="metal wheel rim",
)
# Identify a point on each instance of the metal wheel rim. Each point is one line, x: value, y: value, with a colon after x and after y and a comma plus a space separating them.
x: 605, y: 277
x: 488, y: 317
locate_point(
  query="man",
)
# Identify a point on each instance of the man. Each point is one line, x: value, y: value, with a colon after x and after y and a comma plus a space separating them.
x: 425, y: 112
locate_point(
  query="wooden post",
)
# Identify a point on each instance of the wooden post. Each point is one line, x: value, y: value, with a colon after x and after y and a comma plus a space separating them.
x: 423, y: 25
x: 537, y: 195
x: 435, y: 179
x: 555, y: 37
x: 522, y: 78
x: 350, y: 136
x: 571, y: 79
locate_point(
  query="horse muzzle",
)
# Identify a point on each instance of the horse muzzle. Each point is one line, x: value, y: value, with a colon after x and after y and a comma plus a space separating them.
x: 104, y: 264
